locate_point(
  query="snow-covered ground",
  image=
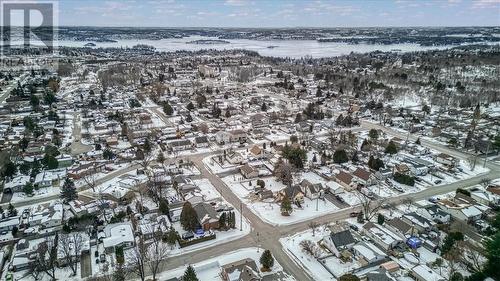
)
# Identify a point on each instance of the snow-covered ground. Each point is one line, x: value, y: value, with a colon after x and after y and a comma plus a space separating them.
x: 310, y: 264
x: 209, y: 270
x: 268, y: 210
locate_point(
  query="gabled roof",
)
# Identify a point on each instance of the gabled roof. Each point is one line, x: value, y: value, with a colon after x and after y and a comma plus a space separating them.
x: 399, y: 224
x: 344, y: 177
x: 205, y: 211
x: 342, y: 238
x: 362, y: 174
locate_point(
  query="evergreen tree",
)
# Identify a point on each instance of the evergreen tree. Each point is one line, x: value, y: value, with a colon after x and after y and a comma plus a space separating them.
x: 263, y: 107
x: 28, y: 188
x: 360, y: 218
x: 171, y: 237
x: 266, y: 260
x: 12, y: 211
x: 167, y: 109
x: 380, y: 219
x: 340, y: 156
x: 190, y: 274
x: 286, y: 206
x: 68, y: 191
x: 163, y: 206
x: 10, y: 170
x: 373, y: 134
x: 189, y: 218
x: 222, y: 220
x: 190, y: 106
x: 391, y: 148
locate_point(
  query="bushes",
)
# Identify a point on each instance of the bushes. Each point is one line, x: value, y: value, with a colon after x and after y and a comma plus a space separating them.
x: 404, y: 179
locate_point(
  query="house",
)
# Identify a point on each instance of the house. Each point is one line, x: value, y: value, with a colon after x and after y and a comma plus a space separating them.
x: 242, y: 270
x: 16, y: 184
x: 311, y: 191
x: 201, y: 141
x: 383, y: 174
x: 257, y: 152
x: 266, y: 194
x: 259, y: 120
x: 446, y: 159
x: 383, y: 237
x: 8, y: 224
x: 223, y: 137
x: 339, y: 241
x: 364, y: 177
x: 238, y: 136
x: 368, y: 253
x: 48, y: 178
x: 292, y: 192
x: 402, y: 168
x: 401, y: 228
x: 179, y: 145
x: 462, y: 211
x: 207, y: 216
x: 345, y: 180
x: 435, y: 213
x: 117, y: 235
x: 422, y: 224
x: 248, y: 171
x: 485, y: 197
x: 234, y: 157
x: 422, y: 272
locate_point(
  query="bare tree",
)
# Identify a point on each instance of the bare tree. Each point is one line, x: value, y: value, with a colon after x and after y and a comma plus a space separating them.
x: 90, y: 179
x: 472, y: 259
x: 155, y: 186
x: 137, y: 258
x: 70, y: 247
x: 370, y: 207
x: 485, y: 182
x: 46, y: 258
x: 408, y: 201
x: 313, y: 225
x: 309, y: 247
x: 157, y: 252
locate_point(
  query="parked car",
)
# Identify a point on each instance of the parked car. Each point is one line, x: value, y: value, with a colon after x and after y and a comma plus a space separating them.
x: 354, y: 227
x: 187, y: 235
x: 354, y: 214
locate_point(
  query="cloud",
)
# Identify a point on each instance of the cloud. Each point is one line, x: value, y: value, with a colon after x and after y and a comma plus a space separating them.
x: 486, y: 4
x: 235, y: 3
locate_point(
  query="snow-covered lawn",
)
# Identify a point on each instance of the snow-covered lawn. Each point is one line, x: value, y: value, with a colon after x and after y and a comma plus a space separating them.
x: 310, y: 264
x: 210, y: 269
x: 268, y: 210
x: 40, y: 193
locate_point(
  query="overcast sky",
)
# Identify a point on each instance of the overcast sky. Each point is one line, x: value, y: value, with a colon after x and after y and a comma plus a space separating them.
x: 280, y: 13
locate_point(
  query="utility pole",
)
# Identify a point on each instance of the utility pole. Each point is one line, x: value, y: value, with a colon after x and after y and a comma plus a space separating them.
x: 486, y: 155
x: 241, y: 216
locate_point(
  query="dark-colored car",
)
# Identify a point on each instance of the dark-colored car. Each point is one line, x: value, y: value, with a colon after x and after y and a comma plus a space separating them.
x: 354, y: 214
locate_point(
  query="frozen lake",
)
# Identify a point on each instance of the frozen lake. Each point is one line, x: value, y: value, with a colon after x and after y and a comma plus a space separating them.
x: 273, y: 48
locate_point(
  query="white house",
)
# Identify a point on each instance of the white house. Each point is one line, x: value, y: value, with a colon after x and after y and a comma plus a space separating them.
x: 117, y: 235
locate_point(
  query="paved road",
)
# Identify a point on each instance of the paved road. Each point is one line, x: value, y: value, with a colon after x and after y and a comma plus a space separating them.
x: 267, y: 236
